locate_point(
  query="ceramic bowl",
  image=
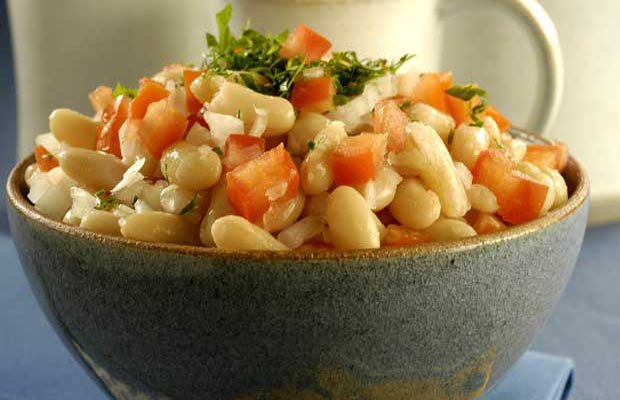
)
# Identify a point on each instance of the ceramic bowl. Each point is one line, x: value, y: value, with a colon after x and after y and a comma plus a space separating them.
x: 437, y: 321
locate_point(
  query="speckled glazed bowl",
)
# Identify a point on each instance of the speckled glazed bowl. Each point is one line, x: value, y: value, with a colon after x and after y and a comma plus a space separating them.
x: 438, y: 321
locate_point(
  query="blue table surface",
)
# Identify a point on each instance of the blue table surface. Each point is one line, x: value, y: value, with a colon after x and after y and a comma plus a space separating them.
x: 34, y: 364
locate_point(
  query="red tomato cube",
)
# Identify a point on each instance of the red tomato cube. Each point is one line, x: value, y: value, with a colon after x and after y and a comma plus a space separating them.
x: 314, y: 95
x: 305, y: 42
x: 150, y: 92
x: 114, y: 116
x: 388, y: 118
x: 484, y: 223
x: 254, y: 186
x: 502, y: 122
x: 431, y: 90
x: 161, y: 126
x: 396, y: 235
x: 357, y: 159
x: 193, y: 104
x: 45, y: 161
x: 240, y: 149
x: 547, y: 155
x: 520, y: 198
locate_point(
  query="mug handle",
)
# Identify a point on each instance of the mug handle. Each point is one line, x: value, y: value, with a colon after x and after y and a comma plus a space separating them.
x: 547, y: 45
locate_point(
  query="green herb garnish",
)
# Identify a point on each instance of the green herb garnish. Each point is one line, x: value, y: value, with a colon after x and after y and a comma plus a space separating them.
x: 218, y: 151
x: 255, y: 53
x: 311, y: 145
x: 190, y: 207
x: 340, y: 99
x: 467, y: 93
x: 165, y: 172
x: 406, y: 104
x: 121, y: 90
x: 105, y: 201
x: 498, y: 143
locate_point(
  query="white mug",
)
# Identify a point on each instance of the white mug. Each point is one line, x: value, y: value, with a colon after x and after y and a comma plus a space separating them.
x: 390, y: 28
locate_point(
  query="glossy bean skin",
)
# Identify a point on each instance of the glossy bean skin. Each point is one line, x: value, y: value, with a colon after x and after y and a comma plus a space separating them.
x: 233, y: 98
x: 92, y: 169
x: 159, y: 227
x: 445, y: 229
x: 206, y: 86
x: 191, y: 167
x: 427, y: 156
x: 467, y: 144
x: 236, y: 233
x: 442, y: 123
x: 535, y: 173
x: 282, y: 215
x: 380, y: 191
x: 101, y: 222
x: 559, y: 187
x: 482, y: 199
x: 73, y: 128
x: 315, y: 173
x: 219, y: 207
x: 352, y: 224
x: 307, y: 126
x: 414, y: 206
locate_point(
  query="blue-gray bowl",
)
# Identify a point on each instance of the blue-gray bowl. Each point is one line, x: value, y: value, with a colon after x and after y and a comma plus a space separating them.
x: 437, y: 321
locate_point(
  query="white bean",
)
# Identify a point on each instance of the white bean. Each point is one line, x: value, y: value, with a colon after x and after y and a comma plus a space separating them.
x: 159, y: 227
x: 559, y: 186
x: 307, y: 126
x: 445, y: 229
x: 532, y: 171
x: 380, y: 191
x: 92, y: 169
x: 414, y: 206
x: 464, y: 174
x: 101, y: 222
x: 206, y: 86
x: 73, y: 128
x: 219, y: 207
x: 442, y: 123
x: 236, y: 233
x: 352, y: 224
x: 233, y: 98
x: 425, y: 152
x: 191, y: 167
x: 316, y: 173
x: 482, y: 199
x: 174, y: 199
x: 467, y: 144
x: 516, y: 149
x: 281, y: 215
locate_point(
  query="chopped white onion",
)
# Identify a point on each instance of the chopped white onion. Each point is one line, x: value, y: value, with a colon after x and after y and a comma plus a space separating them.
x: 260, y: 123
x: 406, y: 82
x: 174, y: 199
x: 222, y: 126
x: 380, y: 191
x: 131, y: 177
x: 49, y: 142
x: 83, y: 202
x: 312, y: 73
x: 70, y: 219
x: 176, y: 99
x: 301, y: 231
x: 142, y: 206
x: 50, y: 193
x: 123, y: 211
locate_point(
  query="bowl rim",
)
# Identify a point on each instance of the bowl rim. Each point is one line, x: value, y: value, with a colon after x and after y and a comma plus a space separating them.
x: 579, y: 196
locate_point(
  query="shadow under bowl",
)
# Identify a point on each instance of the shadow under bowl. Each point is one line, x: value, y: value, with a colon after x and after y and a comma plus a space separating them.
x: 437, y: 321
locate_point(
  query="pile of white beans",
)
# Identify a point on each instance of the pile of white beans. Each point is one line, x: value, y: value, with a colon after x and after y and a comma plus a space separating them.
x: 182, y: 197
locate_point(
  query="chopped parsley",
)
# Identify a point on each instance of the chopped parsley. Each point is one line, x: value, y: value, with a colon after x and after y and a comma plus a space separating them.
x: 218, y: 151
x: 311, y: 145
x: 121, y: 90
x: 105, y: 201
x: 406, y: 104
x: 498, y: 143
x: 468, y: 93
x: 190, y: 207
x: 257, y: 54
x: 165, y: 172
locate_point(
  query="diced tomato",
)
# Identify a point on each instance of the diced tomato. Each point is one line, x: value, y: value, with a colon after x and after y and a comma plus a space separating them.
x: 193, y: 104
x: 150, y: 92
x: 314, y: 95
x: 396, y: 235
x: 431, y: 90
x: 254, y: 186
x: 100, y: 98
x: 305, y: 42
x: 484, y: 223
x: 161, y: 126
x: 196, y: 118
x: 240, y: 149
x: 386, y: 218
x: 388, y: 118
x: 547, y: 155
x: 272, y: 142
x: 45, y: 160
x: 114, y: 116
x: 520, y: 199
x: 502, y: 122
x: 315, y: 245
x: 357, y: 159
x: 460, y: 110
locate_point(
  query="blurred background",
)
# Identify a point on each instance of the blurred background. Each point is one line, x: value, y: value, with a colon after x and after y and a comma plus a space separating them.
x: 64, y: 48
